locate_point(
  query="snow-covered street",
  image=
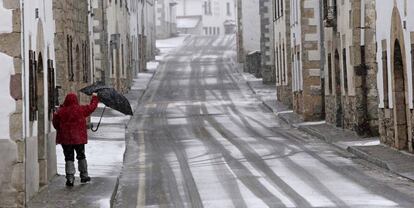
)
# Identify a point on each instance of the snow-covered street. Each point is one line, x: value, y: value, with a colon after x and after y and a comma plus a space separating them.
x: 201, y: 138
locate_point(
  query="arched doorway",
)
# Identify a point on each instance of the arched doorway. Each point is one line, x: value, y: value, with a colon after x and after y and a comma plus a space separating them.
x: 401, y: 135
x: 338, y: 92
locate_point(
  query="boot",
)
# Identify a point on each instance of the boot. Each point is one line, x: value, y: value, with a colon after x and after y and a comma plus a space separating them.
x: 83, y: 169
x: 70, y: 173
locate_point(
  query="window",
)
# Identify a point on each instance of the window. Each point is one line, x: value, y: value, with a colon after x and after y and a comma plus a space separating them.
x: 51, y: 87
x: 277, y: 9
x: 283, y: 63
x: 385, y: 77
x: 85, y: 76
x: 112, y: 60
x: 281, y: 7
x: 78, y: 64
x: 209, y: 7
x: 68, y: 56
x: 205, y: 30
x: 277, y: 66
x: 122, y: 59
x: 71, y: 74
x: 218, y: 31
x: 210, y: 30
x: 345, y: 70
x: 330, y: 73
x: 300, y: 71
x: 32, y: 86
x: 228, y: 9
x: 205, y: 8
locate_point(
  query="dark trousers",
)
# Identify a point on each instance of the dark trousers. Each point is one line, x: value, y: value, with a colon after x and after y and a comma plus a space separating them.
x: 69, y: 152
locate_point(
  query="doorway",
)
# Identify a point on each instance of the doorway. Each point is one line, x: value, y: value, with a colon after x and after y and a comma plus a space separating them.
x: 400, y: 110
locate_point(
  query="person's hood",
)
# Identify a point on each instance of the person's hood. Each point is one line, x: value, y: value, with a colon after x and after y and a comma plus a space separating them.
x: 70, y: 100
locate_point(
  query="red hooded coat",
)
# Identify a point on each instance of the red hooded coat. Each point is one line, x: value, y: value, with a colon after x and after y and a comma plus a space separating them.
x: 70, y: 120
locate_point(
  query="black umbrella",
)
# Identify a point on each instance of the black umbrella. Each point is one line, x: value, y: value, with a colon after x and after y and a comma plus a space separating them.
x: 94, y: 88
x: 110, y: 97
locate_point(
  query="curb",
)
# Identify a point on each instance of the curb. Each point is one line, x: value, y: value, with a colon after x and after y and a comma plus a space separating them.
x: 115, y: 191
x: 369, y: 158
x: 315, y: 134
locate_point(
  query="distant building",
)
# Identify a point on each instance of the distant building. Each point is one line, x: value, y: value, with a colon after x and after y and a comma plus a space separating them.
x: 217, y: 16
x: 190, y: 24
x: 267, y: 41
x: 282, y: 51
x: 166, y: 18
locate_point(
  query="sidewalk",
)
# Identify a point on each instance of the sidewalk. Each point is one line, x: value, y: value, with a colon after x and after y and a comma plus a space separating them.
x: 368, y: 149
x: 104, y: 153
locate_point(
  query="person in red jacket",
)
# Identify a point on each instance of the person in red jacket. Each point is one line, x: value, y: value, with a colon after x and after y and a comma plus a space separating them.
x: 70, y: 124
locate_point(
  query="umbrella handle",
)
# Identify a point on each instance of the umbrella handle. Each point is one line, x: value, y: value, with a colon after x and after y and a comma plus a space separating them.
x: 99, y: 123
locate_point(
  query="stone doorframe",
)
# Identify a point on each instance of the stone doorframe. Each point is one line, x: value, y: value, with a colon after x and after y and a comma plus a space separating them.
x: 397, y: 35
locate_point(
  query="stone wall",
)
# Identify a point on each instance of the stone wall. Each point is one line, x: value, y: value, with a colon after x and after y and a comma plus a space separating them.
x: 386, y: 127
x: 311, y: 96
x: 71, y: 19
x: 353, y: 106
x: 266, y: 42
x: 100, y: 40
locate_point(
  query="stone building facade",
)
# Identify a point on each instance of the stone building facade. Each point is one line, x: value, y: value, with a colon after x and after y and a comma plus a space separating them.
x: 395, y: 55
x: 149, y: 30
x: 350, y: 66
x: 72, y: 46
x: 27, y: 55
x: 166, y: 21
x: 266, y: 41
x: 100, y: 40
x: 118, y: 75
x: 282, y: 51
x: 306, y: 58
x: 218, y: 17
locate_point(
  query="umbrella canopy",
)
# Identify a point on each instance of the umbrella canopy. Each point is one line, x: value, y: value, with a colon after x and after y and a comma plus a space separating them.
x: 94, y: 88
x: 110, y: 97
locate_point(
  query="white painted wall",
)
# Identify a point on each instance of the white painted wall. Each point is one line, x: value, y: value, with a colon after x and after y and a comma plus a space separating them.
x: 30, y: 30
x: 296, y: 41
x: 280, y: 40
x: 251, y: 25
x: 383, y: 31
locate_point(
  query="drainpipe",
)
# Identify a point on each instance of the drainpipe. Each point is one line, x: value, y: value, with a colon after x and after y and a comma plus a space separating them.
x: 322, y: 54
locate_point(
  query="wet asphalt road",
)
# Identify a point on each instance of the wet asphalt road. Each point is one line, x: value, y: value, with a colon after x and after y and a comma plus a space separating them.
x: 204, y: 140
